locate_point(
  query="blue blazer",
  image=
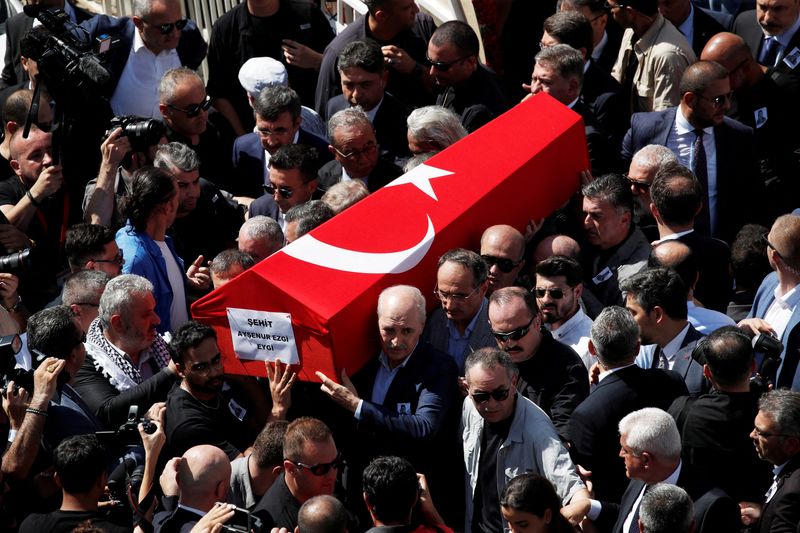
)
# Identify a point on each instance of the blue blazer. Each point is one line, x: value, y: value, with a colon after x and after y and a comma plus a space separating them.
x: 791, y: 335
x: 739, y: 188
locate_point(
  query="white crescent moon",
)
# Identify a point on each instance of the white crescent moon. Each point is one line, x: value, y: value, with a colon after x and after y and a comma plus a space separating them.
x: 311, y: 250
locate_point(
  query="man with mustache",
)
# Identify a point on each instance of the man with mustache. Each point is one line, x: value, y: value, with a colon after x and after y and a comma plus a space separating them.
x: 551, y: 374
x: 197, y: 412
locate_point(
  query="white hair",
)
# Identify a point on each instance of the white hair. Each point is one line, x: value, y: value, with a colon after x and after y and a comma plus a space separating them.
x: 652, y: 430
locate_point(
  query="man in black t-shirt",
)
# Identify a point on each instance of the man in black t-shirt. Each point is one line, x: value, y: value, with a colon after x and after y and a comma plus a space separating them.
x: 197, y: 412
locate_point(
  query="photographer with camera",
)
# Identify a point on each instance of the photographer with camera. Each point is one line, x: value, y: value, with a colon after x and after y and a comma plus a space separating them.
x: 776, y: 309
x: 130, y: 144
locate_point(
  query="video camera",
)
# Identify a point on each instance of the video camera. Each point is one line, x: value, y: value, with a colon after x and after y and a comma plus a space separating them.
x: 769, y: 348
x: 128, y: 433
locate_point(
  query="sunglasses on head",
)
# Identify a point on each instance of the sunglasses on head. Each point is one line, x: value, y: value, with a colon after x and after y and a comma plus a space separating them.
x: 505, y: 265
x: 322, y: 468
x: 497, y: 395
x: 285, y: 192
x: 167, y: 28
x: 515, y: 335
x: 193, y: 110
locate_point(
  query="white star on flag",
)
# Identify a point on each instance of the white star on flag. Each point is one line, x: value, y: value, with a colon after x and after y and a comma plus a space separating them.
x: 420, y: 177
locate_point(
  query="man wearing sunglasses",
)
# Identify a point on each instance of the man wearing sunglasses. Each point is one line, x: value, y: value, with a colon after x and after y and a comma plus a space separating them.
x: 551, y: 374
x: 719, y: 150
x: 643, y: 168
x: 503, y: 250
x: 461, y: 325
x: 505, y: 433
x: 154, y: 40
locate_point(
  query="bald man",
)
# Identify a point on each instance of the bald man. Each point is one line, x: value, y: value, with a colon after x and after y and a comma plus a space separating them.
x: 322, y: 514
x: 204, y: 474
x: 403, y: 400
x: 503, y: 249
x: 771, y: 110
x: 556, y: 245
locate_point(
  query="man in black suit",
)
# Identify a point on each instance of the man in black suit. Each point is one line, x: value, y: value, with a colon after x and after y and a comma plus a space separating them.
x: 656, y: 298
x: 777, y: 439
x: 363, y: 74
x: 622, y: 388
x: 719, y: 150
x: 650, y: 445
x: 666, y: 509
x: 599, y: 90
x: 772, y: 32
x: 606, y: 33
x: 20, y: 24
x: 693, y: 22
x: 715, y: 427
x: 404, y: 401
x: 676, y: 199
x: 356, y: 153
x: 465, y: 86
x: 278, y: 122
x: 204, y: 474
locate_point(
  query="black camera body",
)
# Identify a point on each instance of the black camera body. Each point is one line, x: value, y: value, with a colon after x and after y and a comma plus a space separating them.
x: 10, y: 345
x: 769, y: 348
x: 16, y: 262
x: 141, y: 132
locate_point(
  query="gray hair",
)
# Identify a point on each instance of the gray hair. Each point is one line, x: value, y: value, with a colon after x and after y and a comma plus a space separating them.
x: 308, y: 216
x: 416, y: 161
x: 654, y: 156
x: 469, y: 260
x: 652, y: 430
x: 176, y: 155
x: 489, y: 358
x: 350, y: 117
x: 342, y: 195
x: 262, y: 227
x: 408, y: 290
x: 222, y: 263
x: 613, y: 188
x: 143, y: 8
x: 615, y: 335
x: 172, y: 79
x: 437, y: 125
x: 117, y: 298
x: 83, y: 285
x: 666, y: 508
x: 564, y: 60
x: 783, y: 406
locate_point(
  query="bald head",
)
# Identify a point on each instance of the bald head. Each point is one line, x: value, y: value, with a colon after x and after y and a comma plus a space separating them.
x: 785, y: 237
x: 503, y: 249
x: 670, y: 253
x: 402, y: 300
x: 732, y: 52
x: 556, y: 245
x: 322, y: 514
x: 203, y: 476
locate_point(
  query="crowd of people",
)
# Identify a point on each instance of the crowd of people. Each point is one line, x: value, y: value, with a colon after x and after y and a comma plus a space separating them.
x: 629, y: 363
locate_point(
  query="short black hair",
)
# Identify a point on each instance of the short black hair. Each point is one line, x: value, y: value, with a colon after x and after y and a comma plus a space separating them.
x: 189, y: 335
x: 275, y: 100
x: 79, y: 462
x: 391, y: 488
x: 728, y: 352
x: 308, y: 216
x: 458, y: 34
x: 84, y: 241
x: 613, y: 188
x: 297, y: 156
x: 53, y: 332
x: 469, y: 260
x: 561, y: 265
x: 268, y: 447
x: 364, y: 54
x: 660, y: 287
x: 677, y: 194
x: 749, y: 257
x: 571, y: 28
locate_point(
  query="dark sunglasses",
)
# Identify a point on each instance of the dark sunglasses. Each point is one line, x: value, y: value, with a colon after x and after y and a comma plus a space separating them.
x: 193, y: 110
x: 555, y: 294
x: 765, y: 240
x: 497, y: 395
x: 285, y: 192
x: 167, y: 28
x: 444, y: 66
x: 117, y: 260
x: 505, y: 265
x: 641, y: 186
x: 717, y: 101
x: 322, y: 468
x: 515, y: 335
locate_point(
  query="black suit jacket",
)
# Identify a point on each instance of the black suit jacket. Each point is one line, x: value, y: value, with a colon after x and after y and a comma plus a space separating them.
x: 704, y: 27
x: 747, y: 27
x: 593, y: 428
x: 782, y: 512
x: 739, y: 192
x: 690, y: 370
x: 601, y: 155
x: 609, y: 54
x: 16, y: 28
x: 603, y: 94
x: 178, y: 521
x: 715, y: 286
x: 390, y: 123
x: 385, y: 171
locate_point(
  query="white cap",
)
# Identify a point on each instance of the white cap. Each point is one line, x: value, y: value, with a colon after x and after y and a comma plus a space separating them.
x: 260, y: 72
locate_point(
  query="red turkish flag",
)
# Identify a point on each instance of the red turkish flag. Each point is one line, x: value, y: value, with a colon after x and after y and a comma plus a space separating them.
x: 521, y: 166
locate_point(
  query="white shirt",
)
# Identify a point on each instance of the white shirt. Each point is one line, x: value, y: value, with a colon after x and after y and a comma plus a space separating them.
x: 607, y: 373
x: 783, y: 40
x: 674, y: 236
x: 177, y: 311
x: 137, y: 90
x: 780, y: 312
x: 576, y: 333
x: 681, y: 143
x: 671, y: 480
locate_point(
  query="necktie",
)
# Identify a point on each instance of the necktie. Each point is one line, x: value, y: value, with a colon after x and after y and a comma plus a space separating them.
x: 700, y: 167
x: 769, y: 51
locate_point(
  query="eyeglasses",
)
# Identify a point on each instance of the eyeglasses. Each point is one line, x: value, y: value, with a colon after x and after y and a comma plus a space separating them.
x: 515, y: 335
x: 193, y: 110
x: 766, y: 435
x: 555, y: 294
x: 167, y: 28
x: 368, y: 149
x: 202, y: 368
x: 322, y: 468
x: 641, y: 186
x: 610, y: 7
x: 497, y: 395
x: 765, y: 240
x: 285, y: 192
x: 505, y: 265
x: 117, y: 260
x: 718, y: 101
x: 444, y: 66
x: 456, y: 297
